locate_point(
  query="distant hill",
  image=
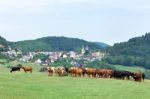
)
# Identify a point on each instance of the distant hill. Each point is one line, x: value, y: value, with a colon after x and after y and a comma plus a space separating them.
x: 136, y: 52
x: 55, y: 44
x: 104, y: 45
x: 138, y: 46
x: 3, y: 44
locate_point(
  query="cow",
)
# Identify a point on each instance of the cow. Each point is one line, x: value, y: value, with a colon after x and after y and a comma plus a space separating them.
x: 61, y: 71
x: 128, y: 75
x: 79, y: 72
x: 104, y: 73
x: 139, y: 76
x: 27, y: 69
x: 90, y: 72
x: 72, y: 71
x: 66, y: 69
x: 122, y: 74
x: 15, y: 69
x: 51, y: 71
x: 76, y: 71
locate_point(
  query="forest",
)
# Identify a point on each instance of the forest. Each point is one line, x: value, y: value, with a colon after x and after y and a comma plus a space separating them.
x: 135, y: 52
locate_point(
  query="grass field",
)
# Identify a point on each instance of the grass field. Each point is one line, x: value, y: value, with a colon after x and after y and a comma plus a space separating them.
x: 39, y: 86
x: 128, y: 68
x: 20, y: 85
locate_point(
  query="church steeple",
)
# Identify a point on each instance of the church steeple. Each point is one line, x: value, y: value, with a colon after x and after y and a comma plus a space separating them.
x: 82, y: 50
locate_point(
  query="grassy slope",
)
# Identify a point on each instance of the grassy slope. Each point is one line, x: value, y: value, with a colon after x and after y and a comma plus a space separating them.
x: 39, y: 86
x: 129, y: 68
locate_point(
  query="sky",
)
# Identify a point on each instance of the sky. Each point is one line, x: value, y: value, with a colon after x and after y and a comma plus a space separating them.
x: 108, y: 21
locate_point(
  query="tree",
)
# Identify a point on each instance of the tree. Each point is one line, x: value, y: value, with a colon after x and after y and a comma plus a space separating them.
x: 43, y: 57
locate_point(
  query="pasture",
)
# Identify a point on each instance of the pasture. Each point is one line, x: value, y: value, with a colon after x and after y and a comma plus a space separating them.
x: 20, y: 85
x: 128, y: 68
x: 36, y: 85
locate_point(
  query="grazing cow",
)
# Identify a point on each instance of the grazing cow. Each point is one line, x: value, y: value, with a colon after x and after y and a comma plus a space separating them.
x: 51, y: 71
x: 61, y: 71
x: 79, y: 72
x: 15, y: 69
x: 122, y: 74
x: 139, y: 76
x: 104, y: 73
x: 90, y: 72
x: 27, y: 69
x: 118, y: 74
x: 75, y: 71
x: 128, y: 74
x: 72, y: 71
x: 66, y: 69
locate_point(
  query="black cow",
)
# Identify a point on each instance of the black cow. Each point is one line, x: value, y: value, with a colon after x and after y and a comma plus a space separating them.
x: 122, y: 74
x: 66, y: 69
x: 15, y: 69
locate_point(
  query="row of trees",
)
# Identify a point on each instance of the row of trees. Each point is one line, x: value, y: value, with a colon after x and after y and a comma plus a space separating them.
x: 128, y: 60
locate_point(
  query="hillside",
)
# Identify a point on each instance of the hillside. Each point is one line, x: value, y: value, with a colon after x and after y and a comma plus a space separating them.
x: 54, y: 44
x: 3, y: 44
x: 104, y: 45
x: 134, y: 52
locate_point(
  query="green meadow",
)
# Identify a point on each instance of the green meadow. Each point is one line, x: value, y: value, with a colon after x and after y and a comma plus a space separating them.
x: 36, y: 85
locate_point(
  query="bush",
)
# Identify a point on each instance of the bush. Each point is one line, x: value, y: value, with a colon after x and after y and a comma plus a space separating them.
x: 43, y: 69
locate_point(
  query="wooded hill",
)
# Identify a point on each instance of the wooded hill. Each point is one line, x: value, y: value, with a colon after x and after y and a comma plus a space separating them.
x: 55, y: 44
x: 135, y: 52
x: 3, y: 44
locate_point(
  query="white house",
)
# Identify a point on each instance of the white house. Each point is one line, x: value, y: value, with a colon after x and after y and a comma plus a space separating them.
x: 39, y: 61
x: 72, y: 54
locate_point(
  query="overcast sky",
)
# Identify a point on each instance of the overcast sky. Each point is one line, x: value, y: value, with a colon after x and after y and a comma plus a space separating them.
x: 108, y: 21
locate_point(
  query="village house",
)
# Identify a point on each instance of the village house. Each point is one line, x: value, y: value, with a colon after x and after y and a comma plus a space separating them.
x: 25, y: 58
x: 2, y: 46
x: 72, y: 54
x: 55, y: 55
x: 38, y: 61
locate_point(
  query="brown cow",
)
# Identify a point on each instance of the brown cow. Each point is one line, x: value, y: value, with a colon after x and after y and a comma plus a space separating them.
x: 61, y: 71
x: 104, y: 73
x: 79, y: 72
x: 27, y: 69
x: 72, y: 71
x: 90, y: 72
x: 75, y: 71
x: 50, y: 71
x: 139, y: 76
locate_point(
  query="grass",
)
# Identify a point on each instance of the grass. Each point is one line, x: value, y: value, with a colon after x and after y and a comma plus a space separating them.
x: 39, y: 86
x: 127, y: 68
x: 20, y: 85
